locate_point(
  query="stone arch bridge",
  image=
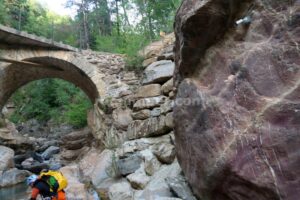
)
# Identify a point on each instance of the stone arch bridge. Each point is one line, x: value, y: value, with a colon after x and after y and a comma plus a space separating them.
x: 25, y: 58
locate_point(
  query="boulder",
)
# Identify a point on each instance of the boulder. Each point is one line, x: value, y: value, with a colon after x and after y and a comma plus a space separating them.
x: 158, y: 72
x: 129, y: 77
x: 55, y: 166
x: 165, y: 152
x: 158, y: 187
x: 36, y: 167
x: 71, y: 172
x: 12, y: 177
x: 166, y: 56
x: 167, y: 198
x: 77, y: 135
x: 156, y: 112
x: 6, y: 158
x: 75, y: 189
x: 18, y: 159
x: 151, y: 164
x: 165, y: 45
x: 10, y: 137
x: 139, y: 179
x: 172, y: 95
x: 71, y: 155
x: 170, y: 120
x: 152, y: 50
x: 149, y: 61
x: 95, y: 165
x: 149, y: 102
x: 120, y: 191
x: 75, y: 140
x: 167, y: 106
x: 115, y: 90
x: 145, y: 91
x: 167, y: 87
x: 169, y: 49
x: 163, y: 109
x: 130, y: 147
x: 47, y: 144
x: 141, y: 115
x: 75, y: 144
x: 125, y: 93
x: 129, y: 165
x: 180, y: 187
x: 50, y: 152
x: 154, y: 126
x: 28, y: 162
x: 114, y: 138
x: 103, y: 188
x: 122, y: 118
x: 237, y: 135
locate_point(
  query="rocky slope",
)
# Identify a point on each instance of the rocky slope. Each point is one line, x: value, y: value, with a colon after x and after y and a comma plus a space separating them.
x: 237, y: 135
x: 133, y: 126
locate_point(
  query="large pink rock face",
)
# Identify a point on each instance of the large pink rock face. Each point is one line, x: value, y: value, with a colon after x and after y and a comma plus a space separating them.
x: 237, y: 113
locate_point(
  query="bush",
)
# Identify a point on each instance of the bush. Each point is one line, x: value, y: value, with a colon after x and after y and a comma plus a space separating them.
x: 76, y: 113
x: 134, y: 63
x: 129, y: 44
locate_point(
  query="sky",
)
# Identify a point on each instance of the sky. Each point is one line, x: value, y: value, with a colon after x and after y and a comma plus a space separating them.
x: 57, y: 6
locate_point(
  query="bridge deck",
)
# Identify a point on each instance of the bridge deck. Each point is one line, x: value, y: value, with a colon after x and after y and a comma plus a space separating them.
x: 19, y: 39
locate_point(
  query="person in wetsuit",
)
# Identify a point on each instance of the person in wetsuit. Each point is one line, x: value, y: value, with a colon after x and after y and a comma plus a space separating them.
x: 41, y: 187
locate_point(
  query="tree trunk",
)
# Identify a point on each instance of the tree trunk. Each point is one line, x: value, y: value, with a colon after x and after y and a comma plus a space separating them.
x: 150, y: 25
x: 98, y: 17
x: 125, y: 13
x: 104, y: 17
x: 118, y: 18
x: 85, y: 25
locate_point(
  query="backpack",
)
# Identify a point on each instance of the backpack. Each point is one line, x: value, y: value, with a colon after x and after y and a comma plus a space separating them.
x: 55, y: 180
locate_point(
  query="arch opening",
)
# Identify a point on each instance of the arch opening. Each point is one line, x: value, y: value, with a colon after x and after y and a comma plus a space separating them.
x: 49, y: 124
x: 14, y: 76
x: 50, y: 99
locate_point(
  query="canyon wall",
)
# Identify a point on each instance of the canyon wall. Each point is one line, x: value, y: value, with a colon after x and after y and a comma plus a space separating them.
x: 237, y: 110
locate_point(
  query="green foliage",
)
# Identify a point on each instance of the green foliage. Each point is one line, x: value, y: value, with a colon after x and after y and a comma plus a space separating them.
x: 3, y: 16
x: 134, y: 63
x: 128, y: 44
x: 38, y: 20
x: 117, y: 26
x: 51, y: 99
x: 76, y: 112
x: 157, y: 15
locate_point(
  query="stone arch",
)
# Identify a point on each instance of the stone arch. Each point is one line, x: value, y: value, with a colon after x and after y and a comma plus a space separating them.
x: 58, y: 64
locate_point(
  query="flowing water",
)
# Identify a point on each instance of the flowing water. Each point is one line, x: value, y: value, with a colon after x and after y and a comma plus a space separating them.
x: 17, y: 192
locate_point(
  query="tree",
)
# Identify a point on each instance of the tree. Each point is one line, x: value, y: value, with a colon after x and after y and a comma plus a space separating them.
x: 3, y: 14
x: 118, y: 17
x: 15, y: 11
x: 103, y: 17
x: 83, y: 11
x: 124, y: 4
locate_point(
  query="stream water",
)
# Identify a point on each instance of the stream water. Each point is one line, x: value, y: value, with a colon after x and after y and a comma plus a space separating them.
x: 17, y: 192
x: 20, y: 192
